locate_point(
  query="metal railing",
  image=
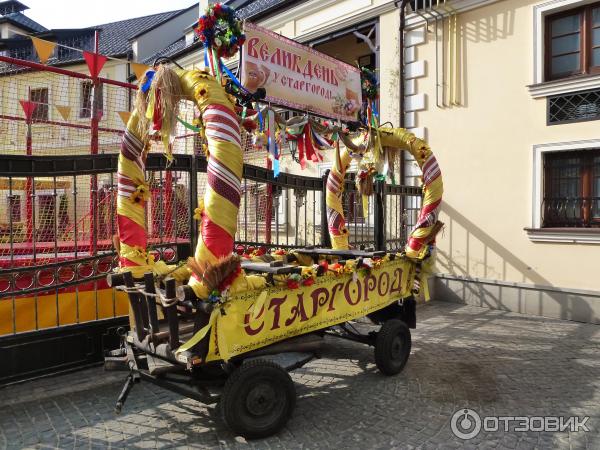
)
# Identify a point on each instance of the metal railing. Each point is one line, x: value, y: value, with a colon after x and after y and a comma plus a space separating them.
x: 58, y: 176
x: 60, y: 135
x: 570, y: 211
x: 283, y: 212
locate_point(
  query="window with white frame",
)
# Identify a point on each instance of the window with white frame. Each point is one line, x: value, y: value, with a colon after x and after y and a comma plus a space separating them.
x: 39, y: 96
x: 571, y: 189
x: 566, y: 47
x: 566, y: 187
x: 572, y: 42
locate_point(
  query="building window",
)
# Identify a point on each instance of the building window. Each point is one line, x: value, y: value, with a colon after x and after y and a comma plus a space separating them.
x: 86, y: 97
x: 575, y: 107
x: 571, y: 189
x: 14, y: 207
x: 39, y: 96
x: 70, y: 47
x: 21, y: 52
x: 573, y: 42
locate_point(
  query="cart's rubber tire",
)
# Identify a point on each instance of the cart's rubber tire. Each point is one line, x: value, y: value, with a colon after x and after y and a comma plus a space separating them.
x: 258, y: 399
x: 392, y: 347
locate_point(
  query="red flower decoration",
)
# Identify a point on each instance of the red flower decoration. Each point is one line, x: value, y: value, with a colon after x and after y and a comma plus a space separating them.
x: 292, y: 284
x: 249, y: 125
x: 308, y: 282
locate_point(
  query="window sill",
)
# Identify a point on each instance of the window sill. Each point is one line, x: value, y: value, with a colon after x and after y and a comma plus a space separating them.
x: 565, y: 235
x: 564, y: 86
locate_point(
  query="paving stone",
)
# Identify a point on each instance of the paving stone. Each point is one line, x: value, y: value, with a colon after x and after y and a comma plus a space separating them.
x: 494, y: 362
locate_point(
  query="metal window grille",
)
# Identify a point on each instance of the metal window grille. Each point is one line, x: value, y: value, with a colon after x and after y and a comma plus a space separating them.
x: 576, y: 107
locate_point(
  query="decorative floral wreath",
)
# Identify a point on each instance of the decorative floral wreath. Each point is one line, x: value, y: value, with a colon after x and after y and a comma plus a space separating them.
x: 219, y: 29
x: 368, y: 82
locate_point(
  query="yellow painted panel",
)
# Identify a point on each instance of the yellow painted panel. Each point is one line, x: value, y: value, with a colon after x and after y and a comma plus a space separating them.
x: 87, y: 306
x: 25, y: 314
x: 105, y: 304
x: 122, y: 303
x: 6, y: 323
x: 46, y: 311
x: 67, y: 309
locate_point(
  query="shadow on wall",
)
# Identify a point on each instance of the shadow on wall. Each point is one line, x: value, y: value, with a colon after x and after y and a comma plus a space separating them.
x: 538, y: 296
x: 497, y: 24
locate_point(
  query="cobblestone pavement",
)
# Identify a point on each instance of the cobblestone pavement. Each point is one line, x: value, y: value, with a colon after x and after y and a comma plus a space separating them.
x: 495, y: 362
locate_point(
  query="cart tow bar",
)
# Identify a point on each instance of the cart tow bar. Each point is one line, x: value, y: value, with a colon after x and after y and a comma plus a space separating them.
x: 131, y: 378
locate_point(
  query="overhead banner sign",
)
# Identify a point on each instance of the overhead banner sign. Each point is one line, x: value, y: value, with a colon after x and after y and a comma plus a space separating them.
x: 298, y: 76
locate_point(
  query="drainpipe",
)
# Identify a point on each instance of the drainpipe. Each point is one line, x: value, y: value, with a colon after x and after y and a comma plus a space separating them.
x: 403, y: 4
x: 438, y: 17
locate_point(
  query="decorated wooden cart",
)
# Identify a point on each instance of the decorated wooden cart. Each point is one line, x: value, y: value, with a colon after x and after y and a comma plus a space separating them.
x: 238, y: 323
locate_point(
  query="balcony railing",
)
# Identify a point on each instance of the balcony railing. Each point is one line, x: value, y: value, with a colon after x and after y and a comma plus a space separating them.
x: 571, y: 212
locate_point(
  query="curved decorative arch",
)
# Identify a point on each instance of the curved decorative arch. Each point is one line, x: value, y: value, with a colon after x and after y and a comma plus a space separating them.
x: 218, y: 210
x: 426, y: 227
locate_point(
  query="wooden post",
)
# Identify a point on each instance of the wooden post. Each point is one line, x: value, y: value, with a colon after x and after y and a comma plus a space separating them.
x: 379, y: 212
x: 325, y: 239
x: 269, y: 211
x: 168, y: 206
x: 95, y: 119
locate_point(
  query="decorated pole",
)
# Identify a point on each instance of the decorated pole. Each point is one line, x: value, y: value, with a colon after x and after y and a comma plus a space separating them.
x: 219, y: 210
x: 427, y: 225
x: 132, y: 194
x: 336, y: 221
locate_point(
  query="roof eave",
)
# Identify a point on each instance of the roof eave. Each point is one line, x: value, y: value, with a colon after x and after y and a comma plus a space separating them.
x: 156, y: 25
x: 57, y: 31
x: 18, y: 24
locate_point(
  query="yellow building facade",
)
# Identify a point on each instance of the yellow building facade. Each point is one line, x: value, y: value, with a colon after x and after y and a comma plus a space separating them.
x: 505, y: 93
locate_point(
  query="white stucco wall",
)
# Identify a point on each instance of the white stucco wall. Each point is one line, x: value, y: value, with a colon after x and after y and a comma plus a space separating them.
x: 163, y: 35
x: 485, y: 146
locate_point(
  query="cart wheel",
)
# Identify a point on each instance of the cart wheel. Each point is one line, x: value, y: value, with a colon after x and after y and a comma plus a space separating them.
x: 258, y: 399
x: 392, y: 347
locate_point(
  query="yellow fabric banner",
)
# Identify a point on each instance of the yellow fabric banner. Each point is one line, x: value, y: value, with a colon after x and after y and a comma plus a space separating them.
x: 43, y: 48
x: 253, y: 320
x: 64, y: 111
x: 139, y: 70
